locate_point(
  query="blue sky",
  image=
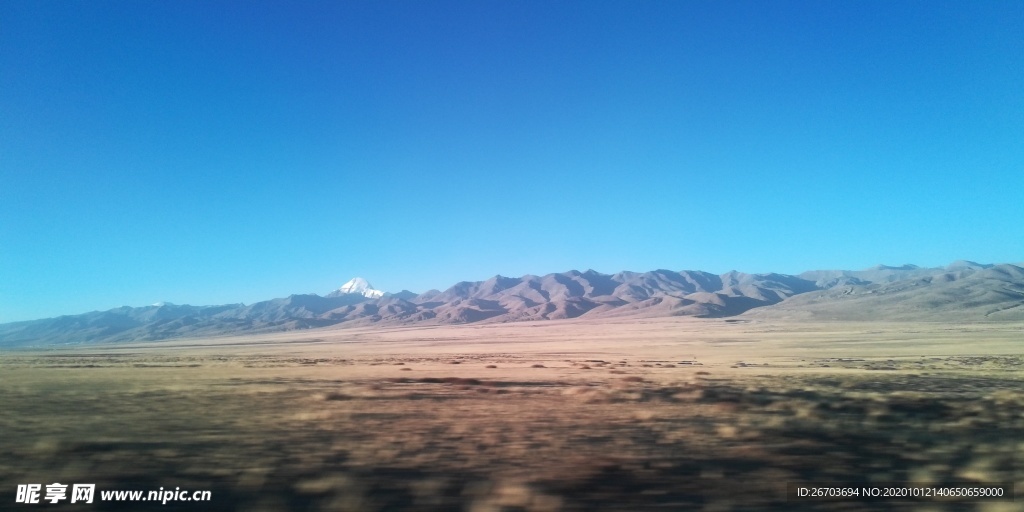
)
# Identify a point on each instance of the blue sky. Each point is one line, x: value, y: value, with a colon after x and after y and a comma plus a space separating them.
x: 215, y: 152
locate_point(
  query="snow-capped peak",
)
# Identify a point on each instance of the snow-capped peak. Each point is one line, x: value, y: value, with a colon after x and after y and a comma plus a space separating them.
x: 362, y: 287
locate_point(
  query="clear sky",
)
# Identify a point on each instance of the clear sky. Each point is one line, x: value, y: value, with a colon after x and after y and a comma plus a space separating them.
x: 209, y: 152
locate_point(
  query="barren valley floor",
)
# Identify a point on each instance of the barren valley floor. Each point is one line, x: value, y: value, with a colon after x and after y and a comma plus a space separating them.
x: 652, y: 414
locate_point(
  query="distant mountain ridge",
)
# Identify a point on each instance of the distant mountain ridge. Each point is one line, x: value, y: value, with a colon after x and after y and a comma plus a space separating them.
x: 963, y: 290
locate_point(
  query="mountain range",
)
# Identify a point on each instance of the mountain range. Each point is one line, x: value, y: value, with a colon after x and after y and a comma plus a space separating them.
x: 961, y: 291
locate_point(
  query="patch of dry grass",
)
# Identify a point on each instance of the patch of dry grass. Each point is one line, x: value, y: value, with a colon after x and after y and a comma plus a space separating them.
x: 309, y: 432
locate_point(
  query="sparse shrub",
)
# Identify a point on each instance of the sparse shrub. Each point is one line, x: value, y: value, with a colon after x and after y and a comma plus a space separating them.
x: 406, y: 369
x: 450, y: 380
x: 336, y: 396
x: 537, y: 366
x: 491, y: 366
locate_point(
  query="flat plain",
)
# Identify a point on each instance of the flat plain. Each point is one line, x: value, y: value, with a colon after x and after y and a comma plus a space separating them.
x: 639, y: 414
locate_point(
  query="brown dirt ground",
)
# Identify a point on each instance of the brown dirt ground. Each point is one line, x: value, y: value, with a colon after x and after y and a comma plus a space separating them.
x: 673, y: 414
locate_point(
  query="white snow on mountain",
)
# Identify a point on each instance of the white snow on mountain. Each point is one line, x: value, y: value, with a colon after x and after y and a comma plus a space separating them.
x: 362, y: 287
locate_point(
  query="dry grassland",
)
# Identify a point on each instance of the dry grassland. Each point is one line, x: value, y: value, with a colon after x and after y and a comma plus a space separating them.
x: 671, y: 414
